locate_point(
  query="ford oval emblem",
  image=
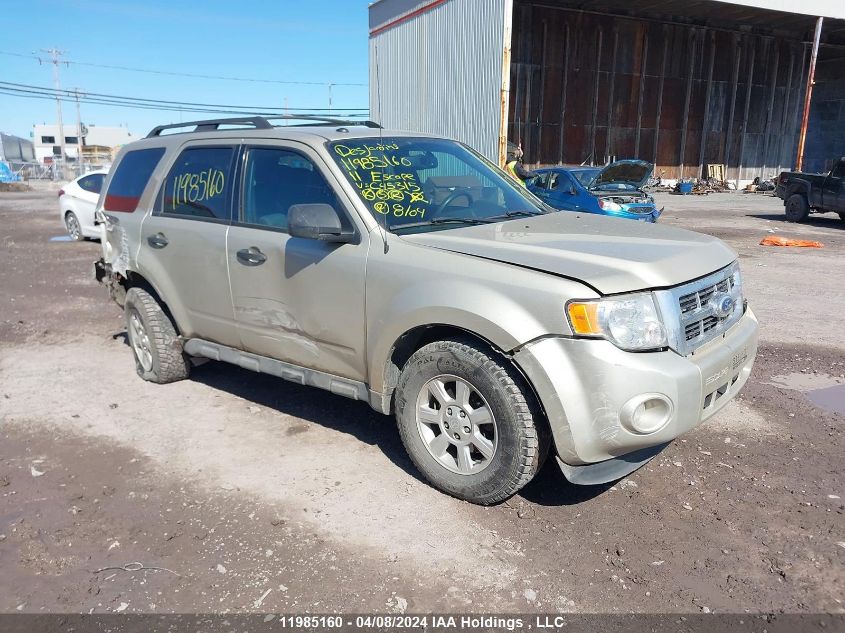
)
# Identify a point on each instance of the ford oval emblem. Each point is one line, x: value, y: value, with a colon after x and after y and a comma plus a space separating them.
x: 722, y: 304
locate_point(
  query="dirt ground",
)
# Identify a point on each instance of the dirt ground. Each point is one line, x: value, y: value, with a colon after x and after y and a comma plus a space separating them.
x: 240, y: 492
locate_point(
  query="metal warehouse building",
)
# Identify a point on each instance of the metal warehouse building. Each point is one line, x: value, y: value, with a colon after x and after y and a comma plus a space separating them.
x: 681, y: 83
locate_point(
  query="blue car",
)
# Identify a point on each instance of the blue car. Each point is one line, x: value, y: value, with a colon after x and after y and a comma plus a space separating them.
x: 614, y: 190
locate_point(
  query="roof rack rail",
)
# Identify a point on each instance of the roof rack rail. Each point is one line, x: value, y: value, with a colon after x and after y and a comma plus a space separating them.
x: 257, y: 122
x: 319, y: 118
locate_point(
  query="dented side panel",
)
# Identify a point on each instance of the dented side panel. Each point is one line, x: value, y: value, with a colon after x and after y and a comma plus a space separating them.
x: 304, y: 304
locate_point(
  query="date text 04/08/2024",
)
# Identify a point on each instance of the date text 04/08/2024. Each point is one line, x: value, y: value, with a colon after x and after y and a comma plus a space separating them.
x: 464, y: 622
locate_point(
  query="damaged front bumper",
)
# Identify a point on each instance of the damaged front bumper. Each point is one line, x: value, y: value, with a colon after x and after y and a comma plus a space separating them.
x: 610, y: 411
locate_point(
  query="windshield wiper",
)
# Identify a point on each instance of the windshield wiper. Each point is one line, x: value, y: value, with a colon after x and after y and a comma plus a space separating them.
x: 439, y: 221
x: 513, y: 214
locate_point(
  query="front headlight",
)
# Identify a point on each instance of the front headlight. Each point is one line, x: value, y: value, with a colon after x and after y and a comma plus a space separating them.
x: 736, y: 281
x: 631, y: 322
x: 609, y: 205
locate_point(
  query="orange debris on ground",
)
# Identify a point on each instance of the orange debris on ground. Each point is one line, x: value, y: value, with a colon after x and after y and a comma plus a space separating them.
x: 775, y: 240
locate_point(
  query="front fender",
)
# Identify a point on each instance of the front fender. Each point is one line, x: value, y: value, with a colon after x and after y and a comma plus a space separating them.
x: 415, y: 286
x: 461, y: 319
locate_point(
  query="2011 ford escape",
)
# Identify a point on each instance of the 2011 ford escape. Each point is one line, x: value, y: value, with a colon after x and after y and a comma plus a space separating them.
x: 408, y: 272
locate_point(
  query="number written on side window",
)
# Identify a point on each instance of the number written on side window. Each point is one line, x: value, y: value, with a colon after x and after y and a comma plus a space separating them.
x: 199, y: 182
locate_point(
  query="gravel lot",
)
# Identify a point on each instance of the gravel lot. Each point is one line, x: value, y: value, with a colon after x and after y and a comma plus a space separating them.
x: 240, y: 492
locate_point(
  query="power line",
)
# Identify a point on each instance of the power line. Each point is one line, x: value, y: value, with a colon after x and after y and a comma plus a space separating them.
x: 11, y: 92
x: 194, y: 75
x: 39, y: 92
x: 70, y: 93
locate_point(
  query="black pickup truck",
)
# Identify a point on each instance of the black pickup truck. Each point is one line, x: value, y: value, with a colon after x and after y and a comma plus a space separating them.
x: 803, y: 194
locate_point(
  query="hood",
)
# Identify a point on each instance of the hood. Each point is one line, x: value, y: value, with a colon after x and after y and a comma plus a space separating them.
x: 612, y: 255
x: 628, y: 172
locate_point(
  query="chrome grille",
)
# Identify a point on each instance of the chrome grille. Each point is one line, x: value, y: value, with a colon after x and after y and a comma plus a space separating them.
x: 690, y: 318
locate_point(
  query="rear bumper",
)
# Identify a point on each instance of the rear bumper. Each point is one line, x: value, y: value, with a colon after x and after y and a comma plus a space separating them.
x: 588, y: 388
x: 104, y: 275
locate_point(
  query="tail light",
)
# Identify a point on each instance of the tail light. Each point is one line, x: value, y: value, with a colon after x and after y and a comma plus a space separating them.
x: 61, y: 193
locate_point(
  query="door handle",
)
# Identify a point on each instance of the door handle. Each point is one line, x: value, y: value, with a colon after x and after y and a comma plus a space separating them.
x: 251, y: 256
x: 157, y: 241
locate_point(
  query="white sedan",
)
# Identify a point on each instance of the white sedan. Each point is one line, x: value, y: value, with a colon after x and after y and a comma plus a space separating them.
x: 77, y: 200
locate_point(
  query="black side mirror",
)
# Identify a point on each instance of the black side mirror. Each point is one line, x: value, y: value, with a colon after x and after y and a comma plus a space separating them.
x: 317, y: 222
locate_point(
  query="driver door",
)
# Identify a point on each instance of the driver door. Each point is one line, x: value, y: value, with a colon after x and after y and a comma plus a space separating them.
x: 833, y: 189
x: 296, y: 300
x: 563, y: 192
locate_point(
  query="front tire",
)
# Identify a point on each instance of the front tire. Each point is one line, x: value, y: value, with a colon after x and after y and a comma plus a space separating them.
x: 466, y: 420
x: 73, y: 227
x: 797, y: 208
x: 153, y: 339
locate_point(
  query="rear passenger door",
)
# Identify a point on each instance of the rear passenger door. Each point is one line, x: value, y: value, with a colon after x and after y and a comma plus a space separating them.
x: 183, y: 241
x: 296, y: 300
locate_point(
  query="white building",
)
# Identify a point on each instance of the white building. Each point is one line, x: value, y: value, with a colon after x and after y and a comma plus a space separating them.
x: 47, y: 141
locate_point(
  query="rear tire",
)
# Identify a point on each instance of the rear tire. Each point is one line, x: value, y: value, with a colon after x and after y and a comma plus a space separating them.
x: 73, y: 227
x: 467, y: 422
x: 153, y: 339
x: 797, y: 208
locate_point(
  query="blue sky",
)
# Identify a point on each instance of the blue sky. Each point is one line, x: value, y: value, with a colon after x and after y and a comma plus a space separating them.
x: 316, y: 41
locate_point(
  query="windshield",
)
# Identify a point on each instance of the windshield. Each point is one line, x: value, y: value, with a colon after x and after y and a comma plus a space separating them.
x: 422, y: 184
x: 585, y: 176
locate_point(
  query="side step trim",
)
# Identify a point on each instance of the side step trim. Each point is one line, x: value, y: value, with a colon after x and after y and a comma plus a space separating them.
x: 264, y: 365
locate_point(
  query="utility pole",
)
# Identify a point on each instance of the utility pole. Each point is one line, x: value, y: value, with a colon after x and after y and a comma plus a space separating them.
x: 79, y: 158
x: 55, y: 59
x: 808, y: 96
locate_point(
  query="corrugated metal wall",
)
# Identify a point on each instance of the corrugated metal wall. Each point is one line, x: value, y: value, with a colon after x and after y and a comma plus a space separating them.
x: 441, y: 73
x: 585, y: 87
x: 826, y: 132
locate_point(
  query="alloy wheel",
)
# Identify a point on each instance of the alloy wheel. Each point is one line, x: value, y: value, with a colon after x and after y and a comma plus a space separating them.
x: 140, y: 341
x: 456, y: 424
x: 72, y: 224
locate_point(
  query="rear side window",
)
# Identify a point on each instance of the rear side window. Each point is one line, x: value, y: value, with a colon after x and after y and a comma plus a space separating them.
x: 130, y: 178
x: 92, y: 183
x: 199, y: 184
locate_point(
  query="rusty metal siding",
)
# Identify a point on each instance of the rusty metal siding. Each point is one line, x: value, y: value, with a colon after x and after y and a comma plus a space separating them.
x: 440, y: 72
x: 586, y: 87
